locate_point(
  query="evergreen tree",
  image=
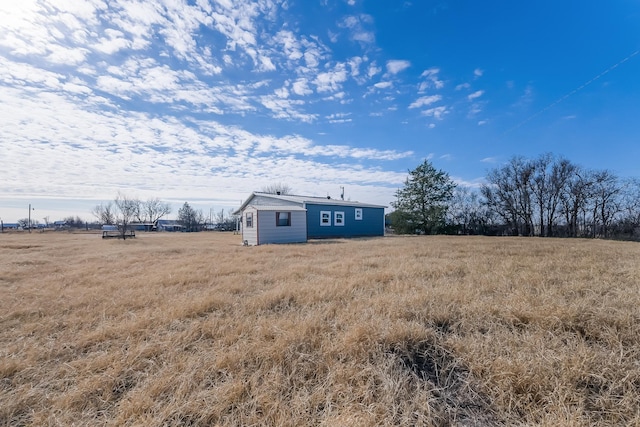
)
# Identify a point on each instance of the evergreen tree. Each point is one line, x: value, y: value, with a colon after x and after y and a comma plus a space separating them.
x: 188, y: 217
x: 421, y: 206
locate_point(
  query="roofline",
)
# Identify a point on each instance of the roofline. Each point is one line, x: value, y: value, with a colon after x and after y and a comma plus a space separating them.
x: 306, y: 200
x: 277, y: 208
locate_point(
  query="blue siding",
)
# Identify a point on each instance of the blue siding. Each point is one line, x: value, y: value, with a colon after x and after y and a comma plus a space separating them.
x: 372, y: 223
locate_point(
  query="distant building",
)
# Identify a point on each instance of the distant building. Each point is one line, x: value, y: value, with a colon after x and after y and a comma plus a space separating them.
x: 275, y: 218
x: 11, y: 226
x: 168, y: 225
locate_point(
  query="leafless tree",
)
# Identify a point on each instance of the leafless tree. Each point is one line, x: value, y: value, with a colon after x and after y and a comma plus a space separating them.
x: 606, y: 188
x: 467, y: 213
x: 105, y: 213
x: 126, y: 211
x: 508, y: 194
x: 561, y: 172
x: 152, y: 210
x: 277, y: 188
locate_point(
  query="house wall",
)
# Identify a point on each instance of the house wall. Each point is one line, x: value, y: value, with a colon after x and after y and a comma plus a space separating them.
x: 250, y: 234
x: 371, y: 224
x: 268, y: 232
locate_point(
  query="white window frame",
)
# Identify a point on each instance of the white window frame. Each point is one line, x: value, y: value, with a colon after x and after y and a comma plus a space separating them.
x: 248, y: 219
x: 328, y: 214
x: 336, y: 215
x: 358, y: 214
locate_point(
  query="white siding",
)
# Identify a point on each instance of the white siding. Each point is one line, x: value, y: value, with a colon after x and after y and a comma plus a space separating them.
x: 268, y: 232
x: 250, y: 234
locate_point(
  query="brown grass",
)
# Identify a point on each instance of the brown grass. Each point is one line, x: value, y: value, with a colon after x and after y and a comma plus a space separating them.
x: 194, y: 329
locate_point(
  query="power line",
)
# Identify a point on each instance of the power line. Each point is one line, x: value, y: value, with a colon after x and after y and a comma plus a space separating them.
x: 562, y: 98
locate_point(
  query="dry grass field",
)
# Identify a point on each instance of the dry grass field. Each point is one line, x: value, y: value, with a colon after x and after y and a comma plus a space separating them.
x: 194, y: 329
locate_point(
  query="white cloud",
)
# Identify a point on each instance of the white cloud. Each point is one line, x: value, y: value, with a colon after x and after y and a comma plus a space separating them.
x: 475, y: 95
x: 431, y: 80
x: 482, y: 122
x: 356, y: 24
x: 463, y: 86
x: 478, y: 72
x: 425, y: 100
x: 301, y: 87
x: 354, y: 64
x: 475, y: 109
x: 383, y: 85
x: 396, y: 66
x: 331, y: 81
x: 437, y: 113
x: 339, y: 118
x: 373, y: 69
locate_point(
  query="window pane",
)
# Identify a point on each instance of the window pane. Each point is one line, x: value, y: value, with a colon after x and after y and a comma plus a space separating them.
x: 283, y: 219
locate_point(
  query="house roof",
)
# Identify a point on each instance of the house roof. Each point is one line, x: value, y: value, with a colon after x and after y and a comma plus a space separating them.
x: 278, y: 208
x: 305, y: 200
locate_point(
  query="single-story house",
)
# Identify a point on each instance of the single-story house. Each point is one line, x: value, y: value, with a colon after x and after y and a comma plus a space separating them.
x: 276, y: 218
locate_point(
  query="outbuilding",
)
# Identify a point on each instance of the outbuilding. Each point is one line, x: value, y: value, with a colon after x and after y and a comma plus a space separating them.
x: 276, y: 218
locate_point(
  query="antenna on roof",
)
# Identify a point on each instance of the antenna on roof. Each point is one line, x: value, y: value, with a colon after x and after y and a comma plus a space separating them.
x: 342, y: 193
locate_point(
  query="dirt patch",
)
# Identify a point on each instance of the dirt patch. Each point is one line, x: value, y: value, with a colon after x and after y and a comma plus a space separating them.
x: 457, y: 400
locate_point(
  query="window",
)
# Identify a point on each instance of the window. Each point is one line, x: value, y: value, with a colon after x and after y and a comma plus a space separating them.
x: 249, y: 219
x: 338, y: 219
x: 325, y: 218
x: 283, y: 219
x: 358, y: 214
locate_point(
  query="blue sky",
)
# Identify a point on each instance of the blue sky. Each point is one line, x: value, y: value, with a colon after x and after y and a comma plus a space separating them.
x: 206, y: 101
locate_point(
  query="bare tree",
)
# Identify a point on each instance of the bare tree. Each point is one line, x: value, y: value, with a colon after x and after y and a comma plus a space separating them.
x: 508, y: 194
x: 541, y: 187
x: 126, y: 211
x: 277, y: 188
x: 561, y: 173
x: 629, y: 223
x: 575, y: 199
x: 467, y: 213
x: 606, y: 188
x: 105, y: 213
x: 154, y: 209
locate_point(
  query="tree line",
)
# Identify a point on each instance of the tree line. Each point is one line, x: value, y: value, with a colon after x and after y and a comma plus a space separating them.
x: 124, y: 211
x: 544, y: 196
